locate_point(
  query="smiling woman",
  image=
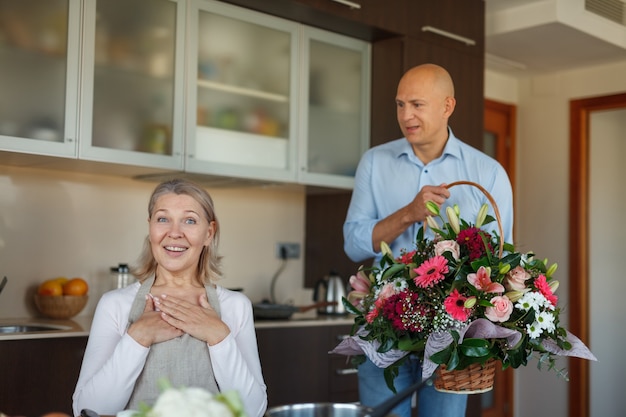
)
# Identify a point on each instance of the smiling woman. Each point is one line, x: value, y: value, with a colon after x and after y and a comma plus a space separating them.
x: 175, y: 310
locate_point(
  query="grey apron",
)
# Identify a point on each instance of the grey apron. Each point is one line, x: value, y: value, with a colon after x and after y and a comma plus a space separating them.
x: 183, y: 361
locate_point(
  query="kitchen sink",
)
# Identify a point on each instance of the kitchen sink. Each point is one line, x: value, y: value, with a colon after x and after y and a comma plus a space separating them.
x: 29, y: 328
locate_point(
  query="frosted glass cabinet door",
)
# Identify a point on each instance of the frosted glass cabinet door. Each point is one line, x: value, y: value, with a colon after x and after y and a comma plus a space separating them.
x: 243, y: 93
x: 38, y: 73
x: 337, y: 103
x: 133, y: 72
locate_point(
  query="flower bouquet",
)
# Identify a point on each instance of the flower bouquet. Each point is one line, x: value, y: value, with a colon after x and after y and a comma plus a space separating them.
x: 461, y: 302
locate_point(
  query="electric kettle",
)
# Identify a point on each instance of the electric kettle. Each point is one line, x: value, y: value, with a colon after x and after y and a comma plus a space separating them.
x: 330, y: 289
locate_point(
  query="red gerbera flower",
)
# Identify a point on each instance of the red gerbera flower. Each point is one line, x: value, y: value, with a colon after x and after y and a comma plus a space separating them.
x: 406, y: 257
x: 541, y: 283
x: 455, y: 306
x: 431, y: 271
x: 471, y: 242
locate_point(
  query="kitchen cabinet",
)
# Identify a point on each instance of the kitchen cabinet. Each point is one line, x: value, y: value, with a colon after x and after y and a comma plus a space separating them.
x: 243, y: 96
x: 95, y: 80
x: 39, y: 375
x: 297, y: 367
x: 182, y: 85
x: 275, y: 100
x: 132, y: 82
x: 39, y: 54
x: 335, y: 100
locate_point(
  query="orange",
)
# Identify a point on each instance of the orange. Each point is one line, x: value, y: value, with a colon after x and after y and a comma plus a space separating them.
x: 75, y: 286
x: 60, y: 280
x: 50, y: 287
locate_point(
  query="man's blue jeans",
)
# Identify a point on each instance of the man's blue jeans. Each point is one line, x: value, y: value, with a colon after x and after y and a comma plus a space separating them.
x: 430, y: 403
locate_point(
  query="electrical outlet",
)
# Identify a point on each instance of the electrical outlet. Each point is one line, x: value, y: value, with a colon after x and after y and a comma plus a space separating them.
x: 288, y: 250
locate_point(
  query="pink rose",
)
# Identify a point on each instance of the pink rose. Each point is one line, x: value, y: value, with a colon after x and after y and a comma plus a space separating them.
x: 516, y: 279
x: 501, y: 310
x: 448, y: 246
x: 387, y: 291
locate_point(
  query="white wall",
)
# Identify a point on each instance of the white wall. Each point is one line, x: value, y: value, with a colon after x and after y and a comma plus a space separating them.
x: 541, y: 192
x: 54, y: 223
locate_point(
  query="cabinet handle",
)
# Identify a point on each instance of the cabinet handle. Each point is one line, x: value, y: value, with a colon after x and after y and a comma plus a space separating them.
x: 346, y: 371
x: 350, y: 4
x: 466, y: 41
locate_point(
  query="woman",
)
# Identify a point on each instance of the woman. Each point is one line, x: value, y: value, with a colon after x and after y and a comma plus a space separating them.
x: 174, y: 322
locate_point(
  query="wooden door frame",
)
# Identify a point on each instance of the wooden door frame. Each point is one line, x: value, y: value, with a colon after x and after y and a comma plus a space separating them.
x: 579, y: 240
x: 509, y: 111
x: 507, y: 159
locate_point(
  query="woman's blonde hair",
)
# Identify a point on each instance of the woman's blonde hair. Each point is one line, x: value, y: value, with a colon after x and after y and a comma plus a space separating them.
x: 209, y: 264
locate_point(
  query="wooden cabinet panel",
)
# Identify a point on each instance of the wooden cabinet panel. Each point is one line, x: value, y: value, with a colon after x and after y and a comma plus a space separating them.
x: 39, y: 375
x: 325, y: 214
x: 375, y: 19
x: 462, y: 18
x: 298, y: 369
x: 383, y: 15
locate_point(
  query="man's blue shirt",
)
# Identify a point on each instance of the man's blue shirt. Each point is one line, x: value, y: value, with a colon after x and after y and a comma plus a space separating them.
x: 390, y: 175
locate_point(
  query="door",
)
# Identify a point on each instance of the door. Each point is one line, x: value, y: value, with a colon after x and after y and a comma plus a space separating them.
x: 498, y: 142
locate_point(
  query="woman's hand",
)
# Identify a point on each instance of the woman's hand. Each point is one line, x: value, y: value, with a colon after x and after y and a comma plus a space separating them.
x: 150, y: 328
x: 199, y: 320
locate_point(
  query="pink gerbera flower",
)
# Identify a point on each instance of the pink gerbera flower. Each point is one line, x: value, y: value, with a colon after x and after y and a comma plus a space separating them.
x: 455, y: 306
x: 541, y: 283
x: 431, y: 271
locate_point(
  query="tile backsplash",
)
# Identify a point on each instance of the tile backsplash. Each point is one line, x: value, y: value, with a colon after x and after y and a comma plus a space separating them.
x: 55, y: 223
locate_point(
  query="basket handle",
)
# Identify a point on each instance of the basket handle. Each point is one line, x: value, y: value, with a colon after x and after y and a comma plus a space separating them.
x: 493, y: 205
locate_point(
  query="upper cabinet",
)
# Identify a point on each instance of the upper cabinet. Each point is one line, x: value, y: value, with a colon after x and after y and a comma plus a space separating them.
x: 199, y: 86
x: 335, y: 103
x: 132, y: 91
x: 242, y: 102
x: 39, y: 55
x: 274, y: 100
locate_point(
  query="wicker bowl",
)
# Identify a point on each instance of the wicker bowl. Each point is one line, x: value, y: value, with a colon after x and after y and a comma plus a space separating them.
x: 61, y: 306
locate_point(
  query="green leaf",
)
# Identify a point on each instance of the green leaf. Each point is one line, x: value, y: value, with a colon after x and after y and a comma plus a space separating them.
x: 453, y: 362
x: 442, y: 356
x: 410, y: 344
x: 475, y: 348
x: 393, y: 269
x: 350, y: 308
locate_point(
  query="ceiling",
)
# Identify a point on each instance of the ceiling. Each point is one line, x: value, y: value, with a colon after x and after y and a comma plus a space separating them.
x: 529, y: 37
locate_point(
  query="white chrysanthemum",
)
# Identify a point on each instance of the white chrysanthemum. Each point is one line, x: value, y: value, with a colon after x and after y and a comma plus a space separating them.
x: 533, y: 330
x: 399, y: 284
x: 546, y: 321
x: 189, y: 402
x: 534, y: 300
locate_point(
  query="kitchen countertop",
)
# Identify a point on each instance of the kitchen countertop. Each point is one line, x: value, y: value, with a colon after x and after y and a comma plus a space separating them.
x: 80, y: 326
x: 75, y: 327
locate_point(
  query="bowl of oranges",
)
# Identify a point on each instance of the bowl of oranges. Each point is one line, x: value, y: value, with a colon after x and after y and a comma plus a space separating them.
x: 62, y: 298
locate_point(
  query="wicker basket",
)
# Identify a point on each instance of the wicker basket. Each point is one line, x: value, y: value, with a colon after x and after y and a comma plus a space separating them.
x: 60, y: 307
x: 474, y: 379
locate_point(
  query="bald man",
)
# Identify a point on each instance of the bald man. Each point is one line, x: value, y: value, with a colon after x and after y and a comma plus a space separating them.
x: 392, y: 185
